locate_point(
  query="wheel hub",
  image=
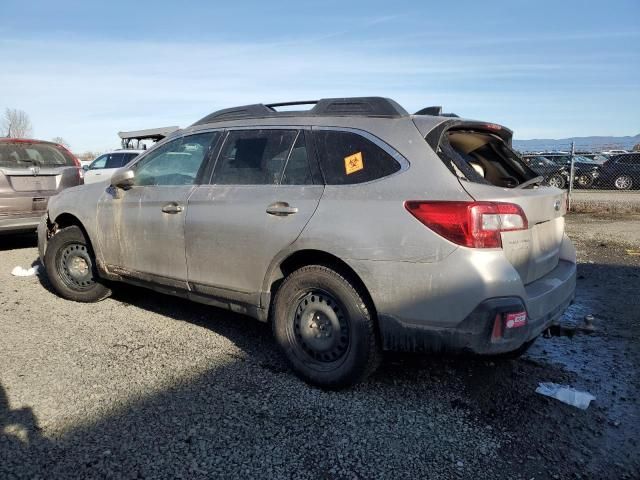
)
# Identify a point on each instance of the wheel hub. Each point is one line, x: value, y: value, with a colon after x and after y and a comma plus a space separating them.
x: 78, y: 267
x: 75, y: 267
x: 320, y: 327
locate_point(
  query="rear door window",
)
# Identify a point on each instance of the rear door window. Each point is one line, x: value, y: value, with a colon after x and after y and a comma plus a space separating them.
x: 127, y: 157
x: 114, y: 160
x: 349, y: 158
x: 254, y: 157
x: 298, y: 171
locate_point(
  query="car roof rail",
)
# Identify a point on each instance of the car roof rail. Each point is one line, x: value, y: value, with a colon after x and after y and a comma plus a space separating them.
x: 348, y: 106
x: 435, y: 112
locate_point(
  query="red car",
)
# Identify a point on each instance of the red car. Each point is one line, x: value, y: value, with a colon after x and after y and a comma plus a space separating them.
x: 31, y: 171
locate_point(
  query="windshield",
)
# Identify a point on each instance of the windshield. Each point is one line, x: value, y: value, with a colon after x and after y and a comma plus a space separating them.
x: 25, y: 155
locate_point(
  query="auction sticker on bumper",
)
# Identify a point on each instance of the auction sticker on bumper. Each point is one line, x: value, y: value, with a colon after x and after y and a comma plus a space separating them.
x: 515, y: 320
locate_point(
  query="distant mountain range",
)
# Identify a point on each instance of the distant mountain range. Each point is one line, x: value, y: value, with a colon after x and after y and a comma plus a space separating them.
x: 581, y: 143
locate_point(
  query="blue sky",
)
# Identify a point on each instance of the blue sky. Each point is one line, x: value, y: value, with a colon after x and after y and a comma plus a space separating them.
x: 548, y: 69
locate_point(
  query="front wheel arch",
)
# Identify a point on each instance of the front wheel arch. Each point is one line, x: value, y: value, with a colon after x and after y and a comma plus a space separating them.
x: 65, y: 220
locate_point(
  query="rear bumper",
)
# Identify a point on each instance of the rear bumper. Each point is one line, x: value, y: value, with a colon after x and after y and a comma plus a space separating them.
x: 545, y: 302
x: 19, y: 223
x: 473, y: 334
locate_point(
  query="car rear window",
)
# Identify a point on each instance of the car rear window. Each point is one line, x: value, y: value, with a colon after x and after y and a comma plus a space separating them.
x: 349, y: 158
x: 482, y: 157
x: 25, y: 155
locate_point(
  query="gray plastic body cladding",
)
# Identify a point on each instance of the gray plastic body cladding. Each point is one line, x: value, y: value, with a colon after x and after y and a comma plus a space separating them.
x: 427, y: 306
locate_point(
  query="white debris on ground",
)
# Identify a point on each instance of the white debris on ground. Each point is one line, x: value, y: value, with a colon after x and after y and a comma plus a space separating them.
x: 24, y: 272
x: 565, y: 394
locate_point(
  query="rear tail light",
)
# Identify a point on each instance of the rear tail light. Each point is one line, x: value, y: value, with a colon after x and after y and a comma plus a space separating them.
x: 470, y: 224
x: 76, y: 162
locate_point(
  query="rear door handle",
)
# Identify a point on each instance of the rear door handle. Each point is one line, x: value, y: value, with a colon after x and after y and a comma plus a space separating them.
x: 172, y: 208
x: 281, y: 209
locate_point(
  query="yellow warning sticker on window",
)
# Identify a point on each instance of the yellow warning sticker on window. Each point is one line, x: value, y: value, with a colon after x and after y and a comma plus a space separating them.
x: 353, y: 163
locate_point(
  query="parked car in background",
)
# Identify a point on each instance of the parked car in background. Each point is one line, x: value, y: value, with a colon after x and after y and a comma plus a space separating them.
x: 554, y: 174
x: 103, y: 167
x: 585, y: 170
x: 353, y: 227
x: 621, y: 172
x: 31, y: 171
x: 614, y: 152
x: 598, y: 158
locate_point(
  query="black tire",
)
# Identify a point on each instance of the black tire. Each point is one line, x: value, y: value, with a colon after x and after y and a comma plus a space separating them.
x: 557, y: 181
x: 325, y: 328
x: 70, y: 265
x: 623, y: 182
x: 515, y: 354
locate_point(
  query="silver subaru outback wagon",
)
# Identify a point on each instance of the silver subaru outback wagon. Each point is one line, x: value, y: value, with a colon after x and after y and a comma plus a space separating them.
x: 353, y: 227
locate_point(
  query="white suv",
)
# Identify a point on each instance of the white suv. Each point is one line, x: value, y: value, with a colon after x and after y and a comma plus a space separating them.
x: 103, y: 167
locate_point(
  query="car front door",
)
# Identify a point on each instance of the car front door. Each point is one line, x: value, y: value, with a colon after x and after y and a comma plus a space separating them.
x: 141, y: 229
x: 264, y: 190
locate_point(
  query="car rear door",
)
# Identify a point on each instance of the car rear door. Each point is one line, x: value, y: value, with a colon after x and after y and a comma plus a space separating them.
x: 263, y: 192
x: 141, y: 230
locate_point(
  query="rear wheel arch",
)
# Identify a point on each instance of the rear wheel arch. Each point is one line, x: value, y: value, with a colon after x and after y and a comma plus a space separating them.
x: 303, y: 258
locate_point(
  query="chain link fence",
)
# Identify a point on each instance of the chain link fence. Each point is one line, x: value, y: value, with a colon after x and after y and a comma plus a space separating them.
x: 596, y: 177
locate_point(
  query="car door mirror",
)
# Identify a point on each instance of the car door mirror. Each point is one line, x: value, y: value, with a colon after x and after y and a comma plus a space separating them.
x: 85, y: 167
x: 123, y: 178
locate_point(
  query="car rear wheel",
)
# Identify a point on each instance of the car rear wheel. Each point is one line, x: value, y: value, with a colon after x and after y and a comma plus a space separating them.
x: 325, y: 328
x: 623, y: 182
x: 556, y: 181
x: 70, y: 266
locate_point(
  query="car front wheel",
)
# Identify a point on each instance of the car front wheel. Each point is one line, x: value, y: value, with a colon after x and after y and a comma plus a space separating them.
x: 585, y: 181
x: 325, y: 328
x: 71, y: 269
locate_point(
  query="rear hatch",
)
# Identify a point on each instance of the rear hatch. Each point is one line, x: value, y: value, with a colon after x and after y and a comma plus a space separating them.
x: 31, y: 171
x: 480, y: 155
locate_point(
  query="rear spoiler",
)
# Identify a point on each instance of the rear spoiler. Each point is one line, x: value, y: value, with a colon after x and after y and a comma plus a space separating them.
x: 433, y: 131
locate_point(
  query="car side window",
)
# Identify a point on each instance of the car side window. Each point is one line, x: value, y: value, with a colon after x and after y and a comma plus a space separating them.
x: 298, y: 171
x: 253, y: 157
x: 114, y: 160
x: 176, y: 162
x: 99, y: 162
x: 349, y: 158
x: 127, y: 158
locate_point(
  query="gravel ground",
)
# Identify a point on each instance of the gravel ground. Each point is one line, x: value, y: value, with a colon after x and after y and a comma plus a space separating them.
x: 143, y: 385
x: 612, y: 201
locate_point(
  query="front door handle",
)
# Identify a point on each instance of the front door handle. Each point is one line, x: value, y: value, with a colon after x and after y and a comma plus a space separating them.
x: 172, y: 208
x: 281, y: 209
